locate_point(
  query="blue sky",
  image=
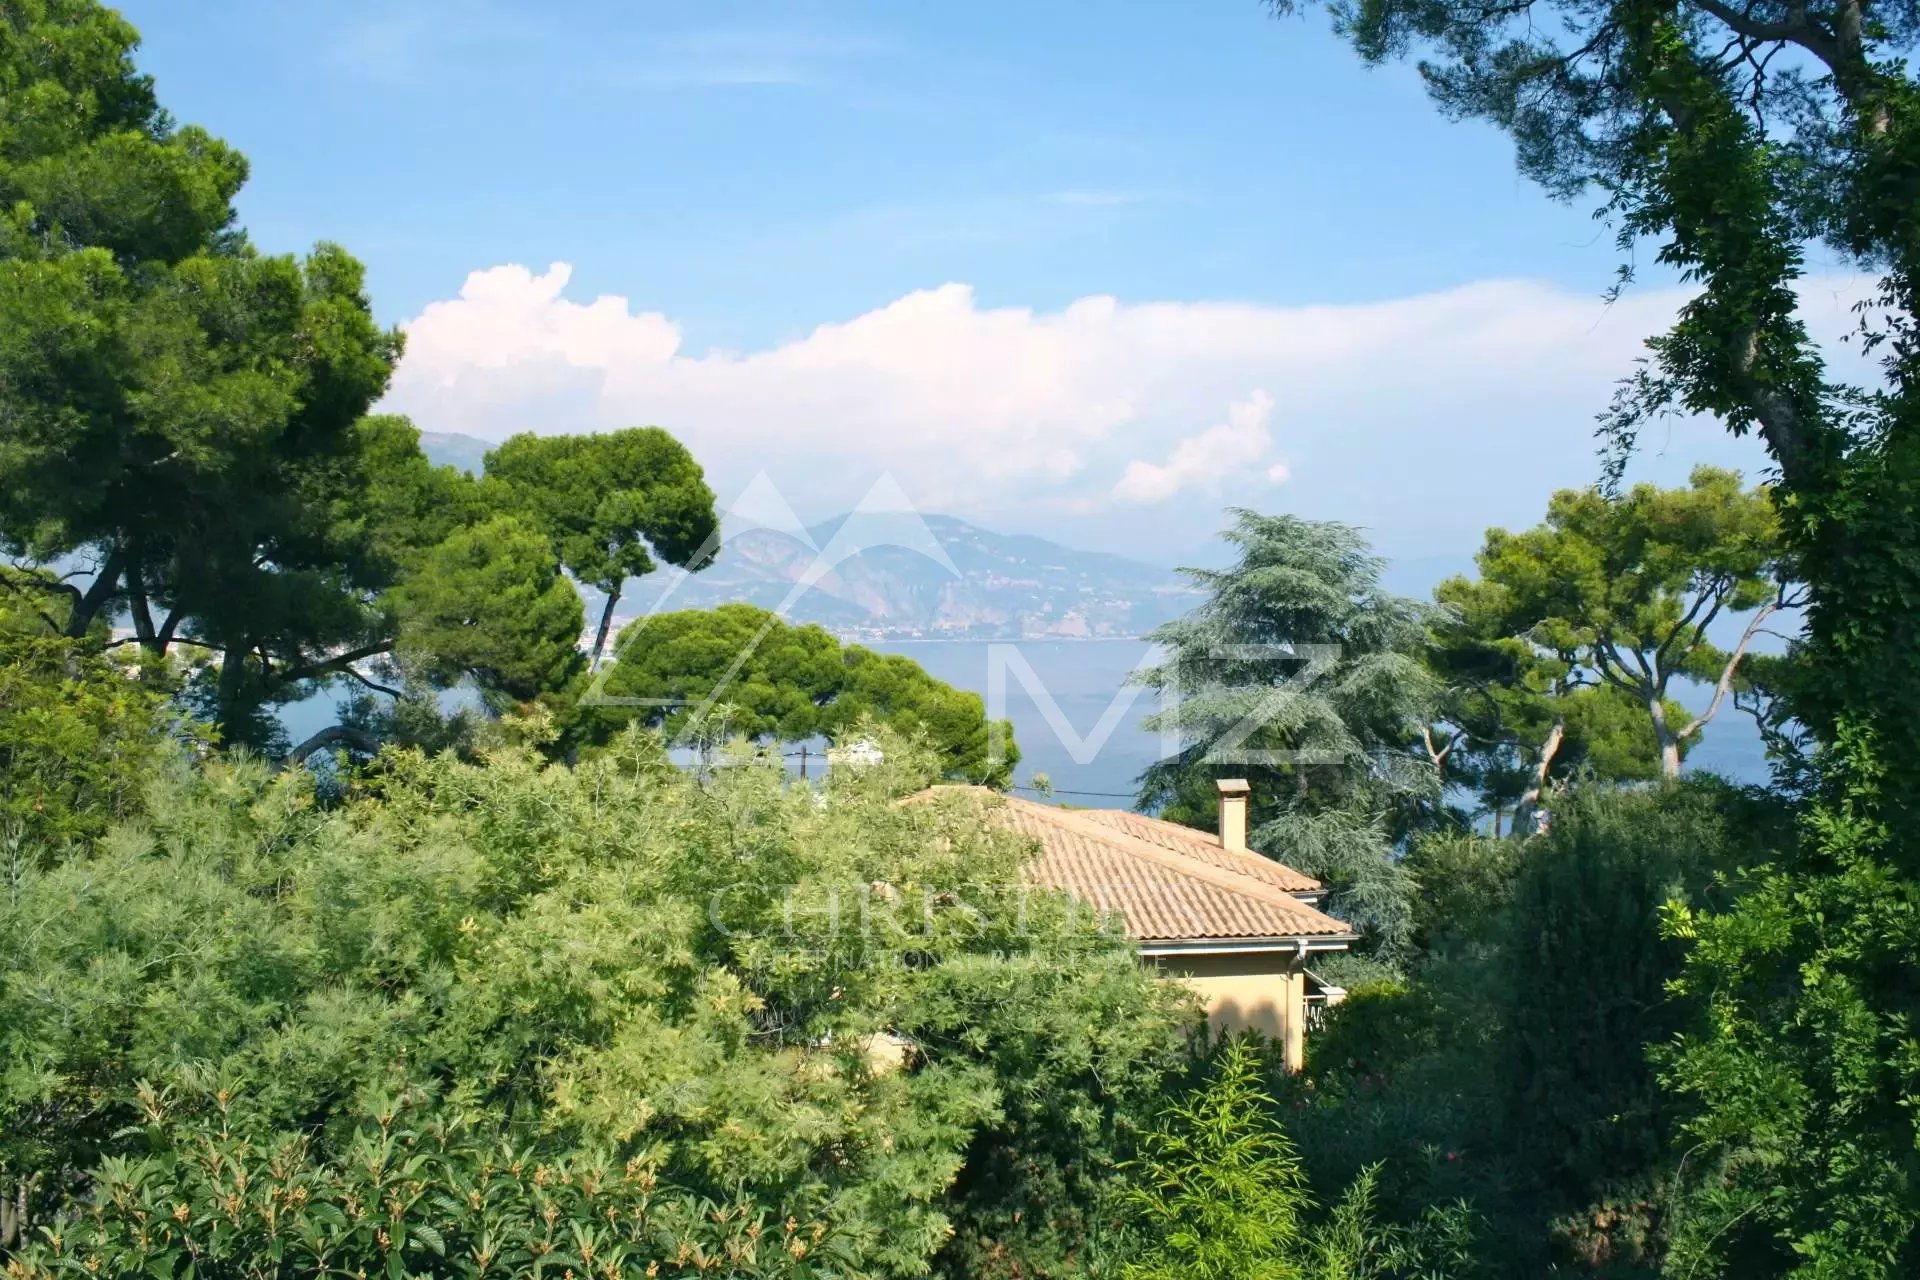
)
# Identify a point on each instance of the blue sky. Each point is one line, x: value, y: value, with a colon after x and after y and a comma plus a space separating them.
x: 1422, y: 327
x: 754, y: 169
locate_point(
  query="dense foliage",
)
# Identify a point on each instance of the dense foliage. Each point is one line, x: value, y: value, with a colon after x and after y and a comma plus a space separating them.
x: 1218, y: 1193
x: 1729, y: 137
x: 703, y: 676
x: 1518, y: 1067
x: 79, y: 736
x: 482, y: 1017
x: 185, y: 419
x: 526, y: 998
x: 177, y: 404
x: 1302, y: 675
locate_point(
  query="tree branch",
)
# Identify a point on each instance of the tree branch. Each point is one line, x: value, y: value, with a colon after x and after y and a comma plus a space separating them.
x: 1613, y: 668
x: 1529, y: 803
x: 1802, y: 33
x: 20, y: 588
x: 30, y: 578
x: 336, y: 664
x: 1726, y: 675
x: 374, y: 685
x: 1438, y: 756
x: 1715, y: 595
x: 330, y: 736
x: 198, y: 644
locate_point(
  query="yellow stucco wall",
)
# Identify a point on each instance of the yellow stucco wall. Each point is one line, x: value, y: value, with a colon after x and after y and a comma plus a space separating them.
x: 1259, y: 991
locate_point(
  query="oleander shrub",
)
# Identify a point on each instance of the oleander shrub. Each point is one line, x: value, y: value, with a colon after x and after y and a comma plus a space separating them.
x: 511, y: 1018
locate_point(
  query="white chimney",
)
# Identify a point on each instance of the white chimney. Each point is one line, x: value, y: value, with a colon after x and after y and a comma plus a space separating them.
x: 1233, y: 814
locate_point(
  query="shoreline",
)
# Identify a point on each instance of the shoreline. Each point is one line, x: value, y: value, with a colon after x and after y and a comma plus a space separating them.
x: 858, y: 639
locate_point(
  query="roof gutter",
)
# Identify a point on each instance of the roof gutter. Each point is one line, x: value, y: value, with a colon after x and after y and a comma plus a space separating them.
x: 1298, y: 944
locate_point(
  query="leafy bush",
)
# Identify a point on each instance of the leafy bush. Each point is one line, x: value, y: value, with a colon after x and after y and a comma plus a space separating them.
x: 1399, y: 1077
x: 1583, y: 989
x: 1464, y: 883
x: 1516, y: 1068
x: 416, y: 1190
x: 1218, y: 1193
x: 510, y: 1011
x: 79, y: 737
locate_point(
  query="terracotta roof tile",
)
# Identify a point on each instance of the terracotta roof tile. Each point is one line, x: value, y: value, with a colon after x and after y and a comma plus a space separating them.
x: 1198, y: 844
x: 1168, y: 883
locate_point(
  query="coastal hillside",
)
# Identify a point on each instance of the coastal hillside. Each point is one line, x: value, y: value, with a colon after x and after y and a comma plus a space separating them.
x: 901, y: 575
x: 932, y: 577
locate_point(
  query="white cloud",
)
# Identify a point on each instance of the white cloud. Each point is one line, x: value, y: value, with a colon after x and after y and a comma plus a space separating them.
x: 509, y: 316
x: 1209, y: 460
x: 1425, y: 418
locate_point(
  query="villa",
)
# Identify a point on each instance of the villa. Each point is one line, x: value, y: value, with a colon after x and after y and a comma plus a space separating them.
x: 1237, y: 927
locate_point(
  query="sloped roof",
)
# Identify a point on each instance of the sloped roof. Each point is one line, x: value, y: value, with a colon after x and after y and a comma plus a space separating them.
x: 1198, y: 844
x: 1170, y: 884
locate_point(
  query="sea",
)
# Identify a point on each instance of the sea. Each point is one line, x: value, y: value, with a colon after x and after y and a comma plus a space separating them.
x: 1079, y: 722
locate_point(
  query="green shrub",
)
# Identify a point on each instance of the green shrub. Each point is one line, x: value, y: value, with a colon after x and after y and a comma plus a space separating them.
x: 1464, y: 882
x: 1218, y: 1193
x: 504, y: 1009
x: 1515, y: 1069
x: 1582, y: 987
x: 418, y: 1189
x: 79, y: 738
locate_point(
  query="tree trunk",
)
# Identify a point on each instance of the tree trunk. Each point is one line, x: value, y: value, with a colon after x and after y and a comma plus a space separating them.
x: 99, y: 593
x: 606, y: 624
x: 1523, y: 813
x: 1663, y: 733
x: 233, y: 675
x: 142, y: 615
x: 13, y: 1216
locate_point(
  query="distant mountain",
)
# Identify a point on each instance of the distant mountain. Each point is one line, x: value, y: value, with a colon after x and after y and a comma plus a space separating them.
x: 929, y: 577
x: 451, y: 449
x: 904, y: 576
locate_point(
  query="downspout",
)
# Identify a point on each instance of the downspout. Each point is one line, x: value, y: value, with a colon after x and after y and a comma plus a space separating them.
x: 1294, y: 1046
